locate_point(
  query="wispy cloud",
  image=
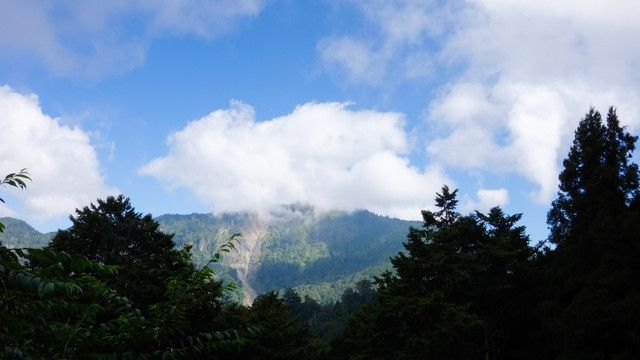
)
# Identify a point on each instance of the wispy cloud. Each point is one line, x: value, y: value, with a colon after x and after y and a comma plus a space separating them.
x: 97, y: 38
x: 402, y: 42
x: 357, y: 59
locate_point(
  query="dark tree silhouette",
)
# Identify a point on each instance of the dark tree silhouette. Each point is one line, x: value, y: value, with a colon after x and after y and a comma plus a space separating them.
x: 594, y: 312
x: 112, y: 233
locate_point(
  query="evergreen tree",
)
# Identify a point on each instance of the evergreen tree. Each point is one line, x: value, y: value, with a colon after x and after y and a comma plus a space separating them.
x: 282, y: 335
x: 112, y: 233
x: 594, y: 311
x: 60, y: 310
x: 54, y: 306
x: 452, y: 294
x: 504, y: 288
x: 598, y: 178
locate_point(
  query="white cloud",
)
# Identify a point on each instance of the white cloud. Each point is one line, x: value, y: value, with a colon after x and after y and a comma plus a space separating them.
x: 530, y: 70
x: 550, y: 41
x: 322, y: 153
x: 487, y: 199
x: 506, y: 128
x: 62, y: 163
x: 466, y: 118
x: 92, y: 38
x: 541, y: 64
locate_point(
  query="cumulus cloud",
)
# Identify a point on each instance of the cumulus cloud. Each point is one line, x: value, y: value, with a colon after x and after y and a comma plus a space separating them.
x: 507, y: 128
x: 324, y: 154
x: 62, y: 163
x: 530, y: 70
x: 93, y: 38
x: 537, y: 67
x: 487, y: 199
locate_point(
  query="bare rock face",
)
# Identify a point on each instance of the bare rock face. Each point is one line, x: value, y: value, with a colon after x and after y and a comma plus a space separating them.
x: 255, y: 228
x: 247, y: 257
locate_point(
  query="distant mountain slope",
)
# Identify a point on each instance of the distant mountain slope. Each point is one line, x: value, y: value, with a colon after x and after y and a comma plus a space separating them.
x: 319, y: 255
x: 19, y: 234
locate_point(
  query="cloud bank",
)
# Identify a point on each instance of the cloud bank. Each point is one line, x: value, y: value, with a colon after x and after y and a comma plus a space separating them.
x: 324, y: 154
x: 62, y: 163
x: 526, y: 71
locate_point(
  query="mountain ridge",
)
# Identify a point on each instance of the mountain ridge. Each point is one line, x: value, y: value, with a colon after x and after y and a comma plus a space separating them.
x: 320, y: 254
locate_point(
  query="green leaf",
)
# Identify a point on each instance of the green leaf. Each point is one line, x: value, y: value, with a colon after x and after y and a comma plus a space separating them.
x: 41, y: 289
x: 48, y: 289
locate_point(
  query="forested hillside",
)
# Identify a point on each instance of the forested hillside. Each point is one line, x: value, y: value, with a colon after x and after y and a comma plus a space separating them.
x: 18, y: 234
x: 319, y: 255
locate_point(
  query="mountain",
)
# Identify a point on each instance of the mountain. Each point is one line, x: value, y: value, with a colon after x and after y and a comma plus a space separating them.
x: 19, y: 234
x: 318, y: 254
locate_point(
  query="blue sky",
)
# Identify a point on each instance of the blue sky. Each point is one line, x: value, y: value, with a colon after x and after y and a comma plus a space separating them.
x: 214, y: 106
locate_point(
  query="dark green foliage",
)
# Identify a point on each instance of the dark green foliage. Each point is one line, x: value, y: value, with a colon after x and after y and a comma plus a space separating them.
x: 62, y: 310
x: 593, y: 306
x: 16, y: 180
x: 57, y: 305
x: 58, y: 302
x: 111, y: 232
x: 597, y: 179
x: 282, y: 335
x: 330, y: 320
x: 184, y: 323
x: 42, y: 313
x: 452, y: 295
x: 505, y: 287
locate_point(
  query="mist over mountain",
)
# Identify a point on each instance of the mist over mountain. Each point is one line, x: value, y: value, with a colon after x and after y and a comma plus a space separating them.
x: 320, y: 254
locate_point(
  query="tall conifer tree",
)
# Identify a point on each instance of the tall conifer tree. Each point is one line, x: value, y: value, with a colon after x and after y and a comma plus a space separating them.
x: 113, y: 233
x: 455, y: 292
x: 596, y: 307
